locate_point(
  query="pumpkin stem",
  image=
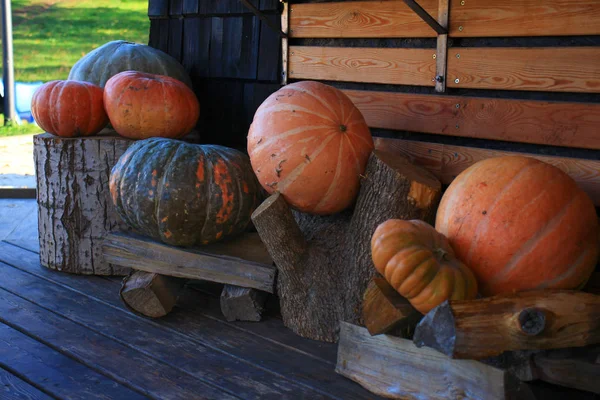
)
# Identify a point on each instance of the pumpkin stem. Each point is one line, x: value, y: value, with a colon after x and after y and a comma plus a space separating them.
x: 440, y: 254
x: 343, y: 128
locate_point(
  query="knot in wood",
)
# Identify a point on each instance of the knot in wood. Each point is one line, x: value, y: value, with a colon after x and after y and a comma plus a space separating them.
x: 532, y: 321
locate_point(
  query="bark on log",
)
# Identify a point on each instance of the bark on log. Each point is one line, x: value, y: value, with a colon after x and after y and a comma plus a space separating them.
x: 395, y: 368
x: 151, y: 295
x: 74, y: 206
x: 242, y: 304
x: 545, y: 319
x: 324, y: 262
x: 385, y: 310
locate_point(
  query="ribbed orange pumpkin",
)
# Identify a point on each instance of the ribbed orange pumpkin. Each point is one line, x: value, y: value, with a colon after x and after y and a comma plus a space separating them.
x: 419, y: 263
x: 309, y: 142
x: 141, y: 105
x: 520, y: 224
x: 69, y: 108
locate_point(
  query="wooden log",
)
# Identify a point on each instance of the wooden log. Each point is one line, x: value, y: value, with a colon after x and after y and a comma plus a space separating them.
x: 487, y: 327
x: 151, y: 295
x: 75, y: 211
x: 574, y: 368
x: 201, y: 263
x: 242, y: 304
x: 384, y: 309
x: 395, y: 368
x: 324, y: 262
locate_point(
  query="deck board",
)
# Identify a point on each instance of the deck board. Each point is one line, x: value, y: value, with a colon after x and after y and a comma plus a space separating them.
x: 55, y: 373
x: 12, y: 387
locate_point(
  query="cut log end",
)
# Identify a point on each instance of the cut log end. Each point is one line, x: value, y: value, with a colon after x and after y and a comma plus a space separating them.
x: 437, y: 330
x: 242, y: 304
x: 532, y: 321
x: 149, y: 294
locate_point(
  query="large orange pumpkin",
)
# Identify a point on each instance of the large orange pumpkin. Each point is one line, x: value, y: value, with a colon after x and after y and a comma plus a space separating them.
x: 520, y: 224
x: 419, y: 263
x: 309, y: 142
x: 141, y: 105
x: 69, y: 108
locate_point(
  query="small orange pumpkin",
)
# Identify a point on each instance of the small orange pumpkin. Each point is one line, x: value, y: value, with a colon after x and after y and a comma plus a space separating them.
x: 419, y: 263
x: 141, y: 105
x: 69, y: 108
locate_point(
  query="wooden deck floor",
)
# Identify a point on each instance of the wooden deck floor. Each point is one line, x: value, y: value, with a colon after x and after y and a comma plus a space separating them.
x: 69, y: 337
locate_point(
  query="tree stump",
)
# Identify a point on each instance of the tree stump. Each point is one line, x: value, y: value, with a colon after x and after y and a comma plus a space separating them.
x: 151, y: 295
x: 324, y: 262
x: 74, y: 206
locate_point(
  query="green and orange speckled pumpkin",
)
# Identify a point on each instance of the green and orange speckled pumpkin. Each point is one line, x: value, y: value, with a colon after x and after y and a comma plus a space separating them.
x: 184, y: 194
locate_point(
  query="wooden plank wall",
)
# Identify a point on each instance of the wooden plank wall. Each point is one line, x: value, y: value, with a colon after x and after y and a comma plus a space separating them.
x: 521, y: 76
x: 231, y: 55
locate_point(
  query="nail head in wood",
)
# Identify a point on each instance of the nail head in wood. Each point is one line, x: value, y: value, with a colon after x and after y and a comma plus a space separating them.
x: 532, y: 321
x: 456, y: 80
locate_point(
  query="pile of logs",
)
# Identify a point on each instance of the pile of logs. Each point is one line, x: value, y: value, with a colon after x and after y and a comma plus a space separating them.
x: 485, y: 348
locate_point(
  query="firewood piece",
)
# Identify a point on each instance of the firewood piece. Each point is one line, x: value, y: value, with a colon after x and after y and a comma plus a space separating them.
x: 324, y: 262
x: 384, y: 309
x: 395, y: 368
x: 489, y: 326
x: 74, y: 206
x: 573, y: 368
x: 151, y: 295
x: 242, y: 304
x: 201, y: 263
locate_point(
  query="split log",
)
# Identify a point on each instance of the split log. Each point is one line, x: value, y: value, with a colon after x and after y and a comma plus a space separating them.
x: 200, y: 263
x: 574, y: 368
x: 395, y: 368
x: 324, y: 262
x: 74, y: 207
x: 544, y: 319
x: 242, y: 304
x: 151, y: 295
x: 385, y: 310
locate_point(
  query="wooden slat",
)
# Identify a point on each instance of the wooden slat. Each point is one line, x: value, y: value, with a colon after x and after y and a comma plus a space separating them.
x: 564, y: 69
x: 374, y: 65
x: 15, y: 388
x: 54, y: 372
x: 442, y: 47
x: 485, y: 18
x: 538, y: 122
x: 360, y: 19
x: 446, y: 161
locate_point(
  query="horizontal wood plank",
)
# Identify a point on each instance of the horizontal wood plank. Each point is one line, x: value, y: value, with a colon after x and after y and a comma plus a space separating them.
x: 15, y: 388
x: 360, y: 19
x: 144, y: 254
x: 492, y: 18
x: 564, y: 69
x: 374, y: 65
x: 54, y: 372
x: 538, y: 122
x: 446, y: 161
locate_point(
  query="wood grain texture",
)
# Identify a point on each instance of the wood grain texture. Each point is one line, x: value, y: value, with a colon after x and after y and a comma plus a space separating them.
x: 75, y: 210
x: 360, y: 19
x: 13, y: 387
x: 395, y: 368
x: 151, y: 295
x: 55, y: 373
x: 574, y: 368
x: 533, y: 320
x: 242, y: 304
x: 373, y: 65
x: 147, y: 255
x: 491, y: 18
x: 564, y: 69
x: 526, y: 121
x: 446, y: 161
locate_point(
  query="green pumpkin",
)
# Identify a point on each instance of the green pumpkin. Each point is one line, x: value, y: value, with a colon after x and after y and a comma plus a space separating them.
x: 99, y: 65
x: 184, y: 194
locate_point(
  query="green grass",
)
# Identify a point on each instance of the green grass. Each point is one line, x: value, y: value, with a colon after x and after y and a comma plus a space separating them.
x: 50, y: 36
x: 14, y: 130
